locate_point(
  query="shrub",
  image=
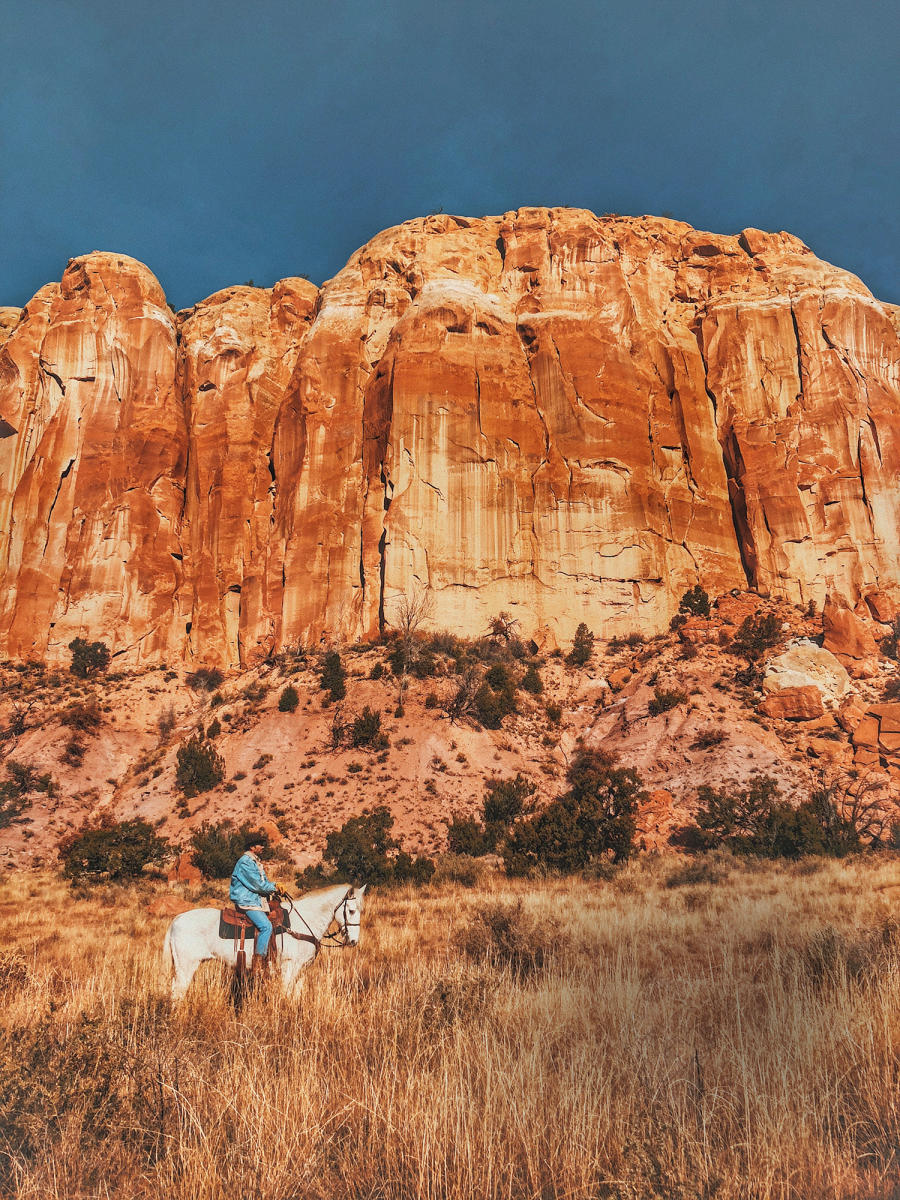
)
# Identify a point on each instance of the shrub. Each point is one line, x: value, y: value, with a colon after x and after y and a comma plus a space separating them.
x: 85, y: 717
x: 582, y: 646
x: 695, y: 601
x: 892, y: 688
x: 890, y: 645
x: 709, y: 737
x: 217, y: 847
x: 20, y: 782
x: 115, y: 849
x: 554, y: 713
x: 594, y: 819
x: 205, y: 679
x: 756, y: 821
x: 506, y: 935
x: 495, y: 697
x: 365, y: 730
x: 88, y: 658
x: 363, y: 851
x: 377, y: 671
x: 215, y: 728
x: 756, y: 635
x: 289, y: 699
x: 165, y: 722
x: 531, y: 681
x: 465, y: 836
x: 333, y: 676
x: 665, y: 699
x: 504, y: 803
x: 199, y: 768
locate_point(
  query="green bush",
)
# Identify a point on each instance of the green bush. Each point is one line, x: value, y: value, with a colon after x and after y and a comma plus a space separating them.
x: 88, y: 658
x: 14, y: 790
x: 756, y: 821
x: 594, y: 819
x: 205, y: 679
x: 216, y: 847
x: 495, y: 697
x: 199, y: 768
x: 215, y: 728
x: 695, y: 601
x: 86, y: 717
x: 756, y: 635
x: 365, y: 730
x: 289, y: 699
x: 504, y: 803
x: 333, y: 676
x: 531, y: 681
x: 466, y: 836
x: 582, y: 646
x: 112, y: 849
x: 377, y: 671
x: 363, y: 851
x: 665, y: 699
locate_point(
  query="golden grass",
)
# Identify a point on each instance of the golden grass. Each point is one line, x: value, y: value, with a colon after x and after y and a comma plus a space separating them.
x: 732, y: 1039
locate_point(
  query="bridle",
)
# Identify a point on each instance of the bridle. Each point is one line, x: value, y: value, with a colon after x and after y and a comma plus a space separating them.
x: 334, y: 939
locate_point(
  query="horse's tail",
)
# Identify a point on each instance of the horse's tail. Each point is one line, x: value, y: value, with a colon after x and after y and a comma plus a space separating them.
x: 168, y: 958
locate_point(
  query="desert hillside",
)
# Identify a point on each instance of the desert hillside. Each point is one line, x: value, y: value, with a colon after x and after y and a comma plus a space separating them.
x: 818, y: 701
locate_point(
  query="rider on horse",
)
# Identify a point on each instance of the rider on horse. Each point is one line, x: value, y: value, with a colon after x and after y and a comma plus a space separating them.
x: 249, y: 886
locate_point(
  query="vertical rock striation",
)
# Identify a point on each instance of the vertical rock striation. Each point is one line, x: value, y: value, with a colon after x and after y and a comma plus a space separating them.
x: 569, y: 417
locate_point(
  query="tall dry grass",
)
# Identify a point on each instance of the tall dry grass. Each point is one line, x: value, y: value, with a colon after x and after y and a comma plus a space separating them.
x: 628, y: 1039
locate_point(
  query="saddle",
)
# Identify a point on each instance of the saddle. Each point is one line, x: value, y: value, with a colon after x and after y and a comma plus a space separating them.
x: 235, y: 925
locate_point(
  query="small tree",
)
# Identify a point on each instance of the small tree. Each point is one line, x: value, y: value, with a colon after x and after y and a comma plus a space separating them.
x: 218, y: 846
x: 200, y: 768
x: 88, y: 658
x: 466, y: 836
x: 289, y: 699
x: 695, y: 601
x: 359, y: 851
x: 582, y: 646
x: 531, y: 681
x: 205, y: 679
x: 366, y: 730
x: 333, y: 676
x: 594, y: 819
x: 756, y: 635
x: 115, y: 849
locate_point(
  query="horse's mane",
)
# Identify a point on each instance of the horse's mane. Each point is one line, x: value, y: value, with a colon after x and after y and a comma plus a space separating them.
x: 322, y: 890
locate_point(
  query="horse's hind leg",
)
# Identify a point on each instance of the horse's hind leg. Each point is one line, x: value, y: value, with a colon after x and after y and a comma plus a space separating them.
x: 184, y: 972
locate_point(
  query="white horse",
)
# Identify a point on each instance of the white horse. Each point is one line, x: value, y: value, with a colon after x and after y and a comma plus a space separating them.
x: 193, y: 936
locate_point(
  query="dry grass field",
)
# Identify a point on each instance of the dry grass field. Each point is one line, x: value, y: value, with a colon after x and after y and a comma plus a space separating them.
x: 721, y: 1032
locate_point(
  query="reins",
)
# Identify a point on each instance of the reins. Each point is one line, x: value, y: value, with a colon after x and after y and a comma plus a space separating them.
x: 334, y: 939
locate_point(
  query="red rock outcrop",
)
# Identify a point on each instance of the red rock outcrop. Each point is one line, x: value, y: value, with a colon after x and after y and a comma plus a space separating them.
x: 563, y: 416
x: 794, y: 704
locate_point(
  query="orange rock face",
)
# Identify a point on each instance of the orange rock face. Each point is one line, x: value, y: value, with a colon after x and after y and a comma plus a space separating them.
x: 794, y: 704
x: 558, y: 415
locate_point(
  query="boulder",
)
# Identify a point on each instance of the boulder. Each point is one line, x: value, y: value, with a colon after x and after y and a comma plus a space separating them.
x: 183, y: 870
x: 849, y: 638
x: 805, y: 664
x: 794, y: 704
x: 618, y: 678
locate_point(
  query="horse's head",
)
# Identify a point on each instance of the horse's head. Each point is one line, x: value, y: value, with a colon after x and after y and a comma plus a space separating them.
x: 348, y: 915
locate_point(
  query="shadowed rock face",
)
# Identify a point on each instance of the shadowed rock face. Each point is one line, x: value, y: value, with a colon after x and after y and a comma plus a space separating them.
x: 564, y: 416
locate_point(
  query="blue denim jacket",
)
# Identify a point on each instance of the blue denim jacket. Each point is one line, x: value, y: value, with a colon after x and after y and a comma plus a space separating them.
x: 249, y: 883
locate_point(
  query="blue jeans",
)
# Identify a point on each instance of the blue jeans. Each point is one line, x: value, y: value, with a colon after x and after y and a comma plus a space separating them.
x: 264, y: 925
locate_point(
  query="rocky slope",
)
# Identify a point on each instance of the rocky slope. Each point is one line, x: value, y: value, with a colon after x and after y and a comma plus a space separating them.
x: 564, y: 416
x: 809, y: 719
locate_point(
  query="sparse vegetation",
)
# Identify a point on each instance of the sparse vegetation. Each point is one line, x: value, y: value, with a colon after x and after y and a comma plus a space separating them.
x: 365, y: 730
x: 289, y: 699
x: 665, y: 699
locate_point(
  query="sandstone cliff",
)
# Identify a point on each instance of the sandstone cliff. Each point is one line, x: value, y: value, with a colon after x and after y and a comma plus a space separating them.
x: 565, y: 416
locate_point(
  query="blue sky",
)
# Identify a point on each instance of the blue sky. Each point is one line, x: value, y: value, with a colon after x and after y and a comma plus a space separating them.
x: 221, y: 141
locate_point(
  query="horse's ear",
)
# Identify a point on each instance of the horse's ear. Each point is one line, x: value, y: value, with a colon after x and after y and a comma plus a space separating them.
x: 360, y: 890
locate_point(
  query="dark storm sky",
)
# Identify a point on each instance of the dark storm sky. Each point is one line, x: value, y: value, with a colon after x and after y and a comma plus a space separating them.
x: 221, y: 141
